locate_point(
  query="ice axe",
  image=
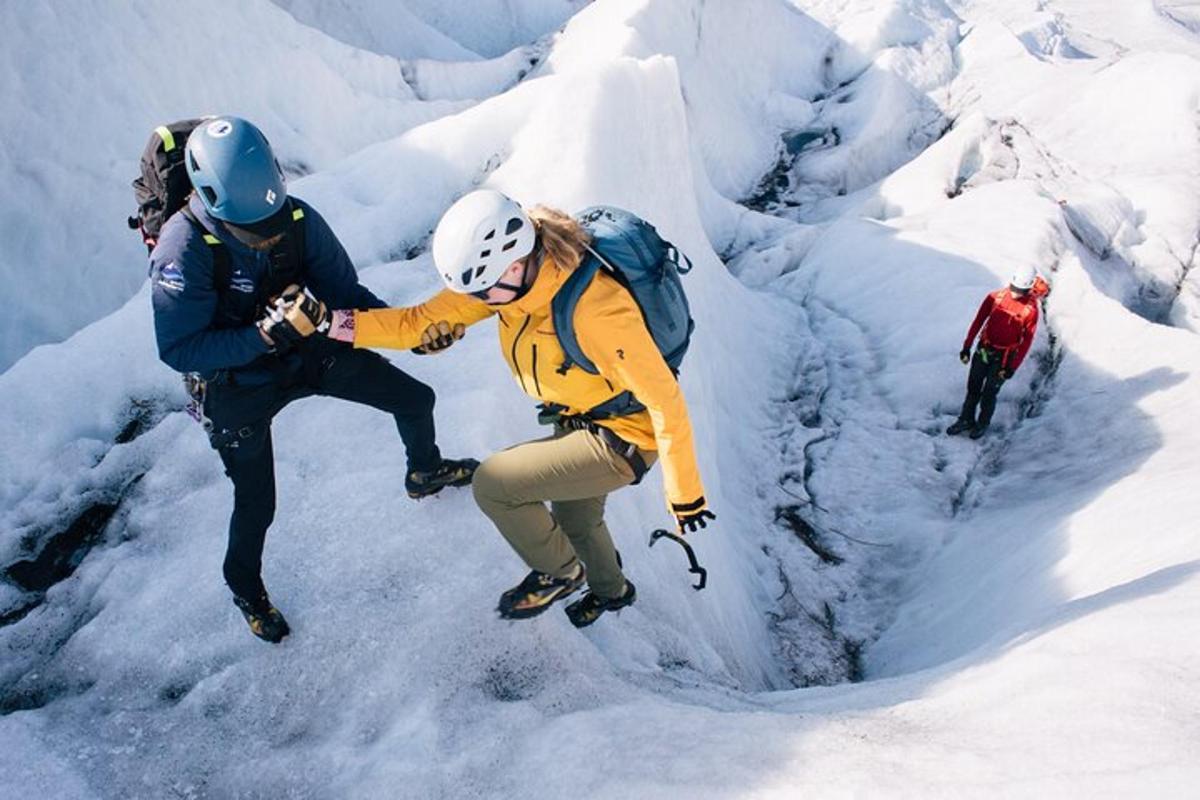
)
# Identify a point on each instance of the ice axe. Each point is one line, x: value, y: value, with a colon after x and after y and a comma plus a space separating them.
x: 695, y: 568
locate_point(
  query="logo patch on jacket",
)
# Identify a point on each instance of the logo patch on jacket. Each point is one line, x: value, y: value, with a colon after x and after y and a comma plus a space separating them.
x: 240, y: 283
x: 170, y: 278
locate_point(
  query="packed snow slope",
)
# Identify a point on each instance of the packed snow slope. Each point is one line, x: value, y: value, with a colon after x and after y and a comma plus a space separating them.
x: 890, y: 611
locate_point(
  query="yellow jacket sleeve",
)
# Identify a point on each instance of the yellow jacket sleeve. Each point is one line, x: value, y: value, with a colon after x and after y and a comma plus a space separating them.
x: 613, y: 334
x: 401, y: 328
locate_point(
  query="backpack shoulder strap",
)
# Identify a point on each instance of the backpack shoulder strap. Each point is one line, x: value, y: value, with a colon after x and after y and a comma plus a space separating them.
x: 562, y: 309
x: 222, y: 265
x: 297, y: 234
x: 286, y: 261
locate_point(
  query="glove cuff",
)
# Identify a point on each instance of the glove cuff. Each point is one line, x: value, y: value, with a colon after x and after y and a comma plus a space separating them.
x: 690, y: 508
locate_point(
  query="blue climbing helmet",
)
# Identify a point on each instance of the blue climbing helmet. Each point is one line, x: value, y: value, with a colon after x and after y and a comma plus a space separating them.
x: 233, y: 169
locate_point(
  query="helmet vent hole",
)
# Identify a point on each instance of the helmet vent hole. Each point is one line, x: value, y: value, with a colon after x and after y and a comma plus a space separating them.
x: 514, y: 224
x: 485, y: 254
x: 491, y: 235
x: 509, y: 245
x: 479, y: 271
x: 192, y: 160
x: 209, y: 195
x: 466, y: 277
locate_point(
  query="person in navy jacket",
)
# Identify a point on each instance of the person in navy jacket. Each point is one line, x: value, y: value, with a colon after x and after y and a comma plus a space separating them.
x: 242, y: 276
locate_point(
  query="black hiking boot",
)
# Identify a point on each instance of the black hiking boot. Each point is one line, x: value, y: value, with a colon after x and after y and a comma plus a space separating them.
x: 537, y: 592
x: 979, y: 430
x: 960, y: 426
x: 448, y: 473
x: 264, y: 619
x: 587, y: 610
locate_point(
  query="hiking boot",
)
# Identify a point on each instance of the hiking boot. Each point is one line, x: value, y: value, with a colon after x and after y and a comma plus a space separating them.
x: 978, y: 430
x: 587, y: 610
x: 535, y: 594
x: 264, y: 619
x: 960, y: 426
x: 448, y: 473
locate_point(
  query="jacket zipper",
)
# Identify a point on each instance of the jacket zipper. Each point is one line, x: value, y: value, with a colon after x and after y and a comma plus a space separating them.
x: 516, y: 364
x: 537, y: 387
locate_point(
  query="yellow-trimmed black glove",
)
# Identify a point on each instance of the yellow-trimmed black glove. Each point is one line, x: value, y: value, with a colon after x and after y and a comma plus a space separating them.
x: 690, y: 517
x: 294, y: 315
x: 438, y: 337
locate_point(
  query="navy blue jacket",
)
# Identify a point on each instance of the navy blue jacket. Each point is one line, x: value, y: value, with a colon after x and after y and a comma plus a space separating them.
x: 201, y: 330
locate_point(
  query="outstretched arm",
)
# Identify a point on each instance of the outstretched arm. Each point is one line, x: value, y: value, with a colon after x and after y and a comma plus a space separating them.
x: 401, y: 328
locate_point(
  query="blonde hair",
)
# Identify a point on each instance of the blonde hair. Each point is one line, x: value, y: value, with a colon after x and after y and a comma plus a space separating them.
x: 563, y: 238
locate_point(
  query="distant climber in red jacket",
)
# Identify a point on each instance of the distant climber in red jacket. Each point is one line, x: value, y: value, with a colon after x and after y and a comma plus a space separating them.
x: 1008, y: 318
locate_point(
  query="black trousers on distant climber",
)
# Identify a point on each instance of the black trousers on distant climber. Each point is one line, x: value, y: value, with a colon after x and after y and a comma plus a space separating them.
x: 983, y: 384
x: 241, y: 432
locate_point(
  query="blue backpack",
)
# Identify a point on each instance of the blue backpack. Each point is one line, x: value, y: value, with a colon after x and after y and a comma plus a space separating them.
x: 629, y: 249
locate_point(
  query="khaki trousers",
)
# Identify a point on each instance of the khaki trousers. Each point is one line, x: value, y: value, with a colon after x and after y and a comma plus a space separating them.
x: 574, y: 471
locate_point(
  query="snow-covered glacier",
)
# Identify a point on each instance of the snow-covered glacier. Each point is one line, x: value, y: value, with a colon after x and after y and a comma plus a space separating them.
x: 891, y: 612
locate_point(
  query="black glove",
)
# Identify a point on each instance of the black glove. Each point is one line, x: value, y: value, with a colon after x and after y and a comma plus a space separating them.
x: 438, y: 337
x: 964, y: 355
x: 293, y: 316
x: 1004, y: 373
x: 690, y: 517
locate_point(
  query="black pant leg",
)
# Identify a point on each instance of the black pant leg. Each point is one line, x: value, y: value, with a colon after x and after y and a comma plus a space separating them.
x: 241, y: 434
x: 975, y: 381
x: 991, y: 387
x: 362, y: 376
x: 251, y: 466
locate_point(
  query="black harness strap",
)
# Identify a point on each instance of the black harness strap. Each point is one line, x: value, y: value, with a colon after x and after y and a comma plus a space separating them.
x: 628, y: 452
x: 222, y: 263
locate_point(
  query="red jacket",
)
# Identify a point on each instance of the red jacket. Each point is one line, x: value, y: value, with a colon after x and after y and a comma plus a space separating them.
x: 1009, y: 323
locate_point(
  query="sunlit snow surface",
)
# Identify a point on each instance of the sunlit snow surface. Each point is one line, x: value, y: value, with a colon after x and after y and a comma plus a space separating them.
x: 890, y: 612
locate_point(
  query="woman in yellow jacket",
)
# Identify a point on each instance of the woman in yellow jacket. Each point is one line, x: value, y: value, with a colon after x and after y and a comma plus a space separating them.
x: 496, y: 259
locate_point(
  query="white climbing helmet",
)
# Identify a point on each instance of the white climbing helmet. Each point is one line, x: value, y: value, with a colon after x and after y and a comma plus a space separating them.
x: 1023, y: 278
x: 478, y: 238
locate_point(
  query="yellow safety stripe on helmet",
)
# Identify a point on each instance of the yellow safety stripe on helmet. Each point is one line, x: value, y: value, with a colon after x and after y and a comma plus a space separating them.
x: 210, y: 239
x: 297, y: 214
x: 167, y: 137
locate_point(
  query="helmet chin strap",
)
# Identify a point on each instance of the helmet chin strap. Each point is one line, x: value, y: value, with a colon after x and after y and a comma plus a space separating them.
x: 526, y: 283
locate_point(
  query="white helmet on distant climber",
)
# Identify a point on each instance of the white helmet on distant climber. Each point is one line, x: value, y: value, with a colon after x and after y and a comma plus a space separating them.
x: 1023, y: 278
x: 478, y: 238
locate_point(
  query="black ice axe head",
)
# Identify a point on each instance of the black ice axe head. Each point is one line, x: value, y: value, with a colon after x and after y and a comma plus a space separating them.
x: 700, y: 572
